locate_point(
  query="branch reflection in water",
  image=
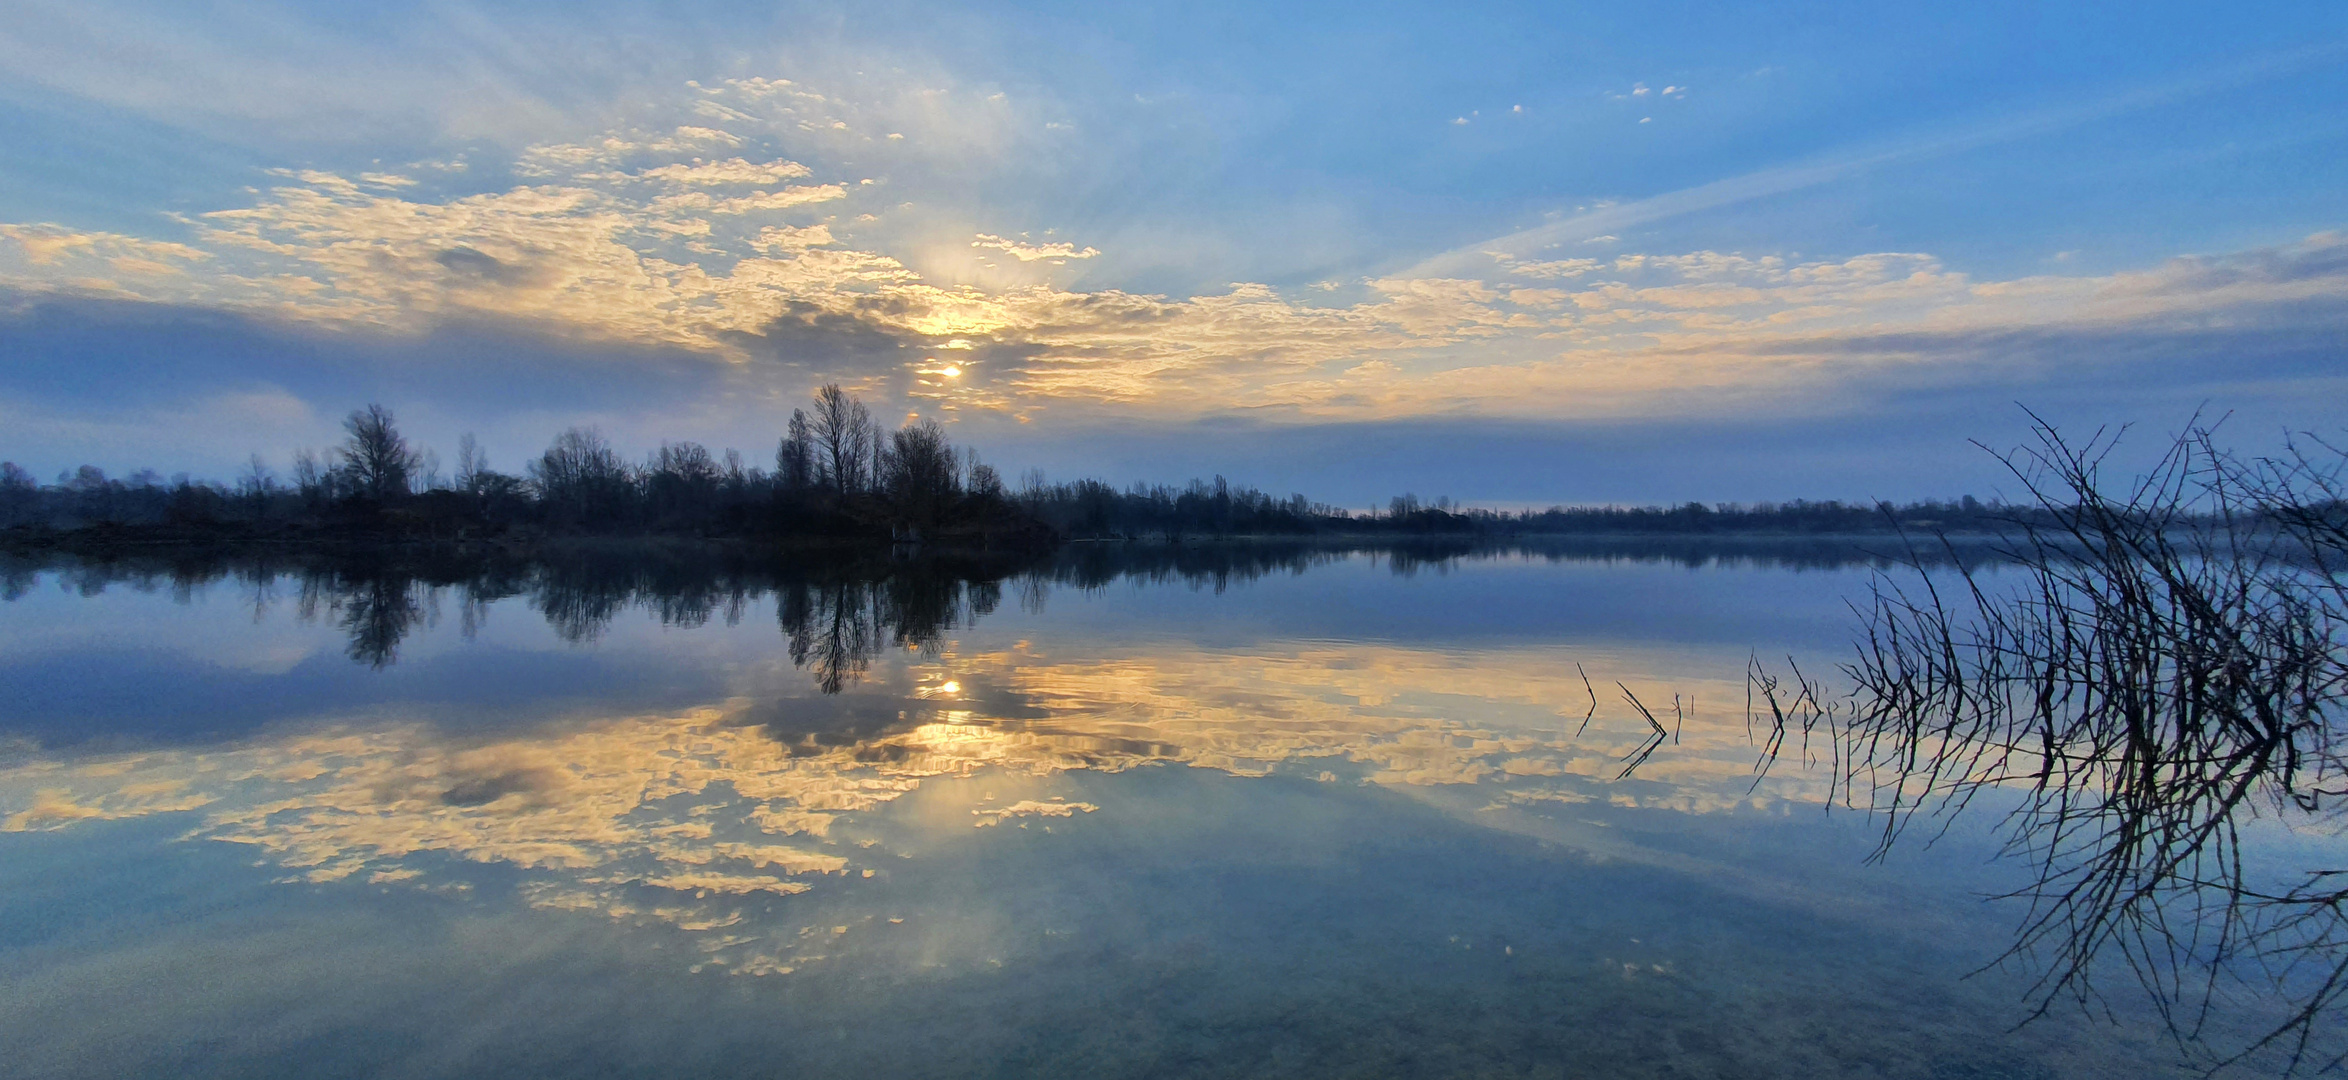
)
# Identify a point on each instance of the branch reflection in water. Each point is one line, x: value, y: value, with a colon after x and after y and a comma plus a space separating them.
x: 2157, y: 700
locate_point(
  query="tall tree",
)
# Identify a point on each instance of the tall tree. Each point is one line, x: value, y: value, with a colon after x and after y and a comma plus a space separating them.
x: 681, y: 481
x: 257, y: 483
x: 923, y: 477
x: 581, y: 479
x: 843, y: 431
x: 375, y: 457
x: 19, y: 493
x: 795, y: 457
x: 472, y: 464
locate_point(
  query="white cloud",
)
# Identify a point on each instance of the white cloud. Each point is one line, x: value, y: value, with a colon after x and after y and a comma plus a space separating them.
x: 728, y: 172
x: 1032, y: 252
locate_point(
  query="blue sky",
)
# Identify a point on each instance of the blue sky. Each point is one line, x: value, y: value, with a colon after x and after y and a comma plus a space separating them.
x: 1519, y: 254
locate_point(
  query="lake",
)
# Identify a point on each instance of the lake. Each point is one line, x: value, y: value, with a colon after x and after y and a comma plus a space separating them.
x: 1225, y: 810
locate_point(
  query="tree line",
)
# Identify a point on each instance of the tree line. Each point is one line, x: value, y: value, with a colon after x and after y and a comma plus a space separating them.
x: 836, y: 474
x: 1093, y: 509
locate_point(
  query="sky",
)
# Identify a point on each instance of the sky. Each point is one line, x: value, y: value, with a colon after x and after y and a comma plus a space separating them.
x: 1518, y: 255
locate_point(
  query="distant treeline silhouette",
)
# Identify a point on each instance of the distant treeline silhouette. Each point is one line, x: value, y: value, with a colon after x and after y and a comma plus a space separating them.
x: 837, y: 477
x: 1092, y: 509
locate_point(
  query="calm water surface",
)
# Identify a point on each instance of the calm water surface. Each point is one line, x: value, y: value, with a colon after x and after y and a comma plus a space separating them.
x: 1294, y: 814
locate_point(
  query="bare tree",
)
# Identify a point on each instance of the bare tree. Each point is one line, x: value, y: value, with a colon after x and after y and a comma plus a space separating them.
x: 19, y: 493
x: 843, y: 432
x: 980, y: 478
x: 581, y: 478
x: 256, y: 484
x: 795, y: 456
x: 309, y: 480
x: 923, y: 480
x: 378, y: 461
x: 682, y: 480
x: 472, y: 464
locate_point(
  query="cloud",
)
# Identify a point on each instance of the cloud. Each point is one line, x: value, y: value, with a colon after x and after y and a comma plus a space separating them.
x: 782, y: 199
x: 1032, y: 252
x: 631, y: 240
x: 42, y: 246
x: 733, y: 171
x: 55, y: 808
x: 1621, y: 336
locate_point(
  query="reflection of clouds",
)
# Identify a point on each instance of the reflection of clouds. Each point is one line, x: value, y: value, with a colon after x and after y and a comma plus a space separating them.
x: 56, y: 807
x: 701, y: 819
x: 1411, y: 716
x: 1052, y: 808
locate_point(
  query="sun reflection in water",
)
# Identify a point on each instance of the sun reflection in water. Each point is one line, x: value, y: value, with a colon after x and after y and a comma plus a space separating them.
x: 702, y: 819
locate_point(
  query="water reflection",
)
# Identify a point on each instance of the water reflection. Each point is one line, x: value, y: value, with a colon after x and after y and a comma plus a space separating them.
x: 836, y: 615
x: 685, y: 815
x: 905, y: 776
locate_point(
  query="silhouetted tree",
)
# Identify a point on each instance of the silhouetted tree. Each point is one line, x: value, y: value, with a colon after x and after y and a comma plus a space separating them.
x: 581, y: 480
x: 922, y: 480
x: 310, y: 481
x: 681, y: 483
x: 980, y: 479
x: 472, y: 464
x: 20, y: 494
x: 843, y: 433
x: 255, y: 486
x: 380, y: 464
x: 795, y: 456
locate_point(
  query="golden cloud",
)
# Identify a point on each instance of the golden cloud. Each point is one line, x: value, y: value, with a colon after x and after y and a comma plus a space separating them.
x: 634, y: 236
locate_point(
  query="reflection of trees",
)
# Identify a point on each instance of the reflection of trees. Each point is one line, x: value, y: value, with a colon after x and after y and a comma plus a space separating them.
x: 836, y: 627
x: 1218, y: 565
x: 832, y: 629
x: 580, y: 606
x: 837, y: 614
x: 377, y: 613
x: 2167, y: 665
x: 17, y: 578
